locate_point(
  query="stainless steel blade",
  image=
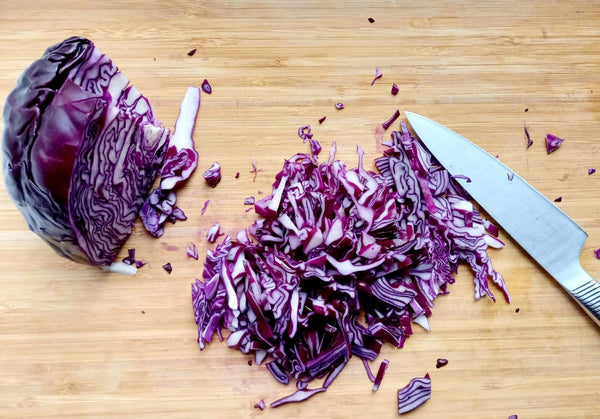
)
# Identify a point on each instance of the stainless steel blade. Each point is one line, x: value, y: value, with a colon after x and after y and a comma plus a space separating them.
x: 541, y: 228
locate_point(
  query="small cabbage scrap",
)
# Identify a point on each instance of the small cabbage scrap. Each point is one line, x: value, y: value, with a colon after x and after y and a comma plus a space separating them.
x: 192, y: 250
x: 553, y: 143
x: 416, y: 392
x: 305, y: 133
x: 380, y: 373
x: 378, y: 75
x: 131, y: 260
x: 527, y: 136
x: 340, y: 262
x: 212, y: 175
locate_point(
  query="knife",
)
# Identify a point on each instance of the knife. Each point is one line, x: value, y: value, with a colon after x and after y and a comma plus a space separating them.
x: 541, y: 228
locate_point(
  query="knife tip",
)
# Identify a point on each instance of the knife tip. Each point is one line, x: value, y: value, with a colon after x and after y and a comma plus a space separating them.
x: 412, y: 117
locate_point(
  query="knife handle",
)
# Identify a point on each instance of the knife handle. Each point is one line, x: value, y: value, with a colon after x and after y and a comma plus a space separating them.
x: 588, y: 296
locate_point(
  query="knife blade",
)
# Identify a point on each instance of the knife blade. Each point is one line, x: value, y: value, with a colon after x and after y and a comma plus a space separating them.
x: 541, y: 228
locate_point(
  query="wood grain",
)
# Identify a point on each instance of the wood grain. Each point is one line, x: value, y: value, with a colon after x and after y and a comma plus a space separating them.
x: 75, y: 342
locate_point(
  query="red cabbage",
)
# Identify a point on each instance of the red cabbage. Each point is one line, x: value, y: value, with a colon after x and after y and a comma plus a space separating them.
x: 529, y: 140
x: 298, y: 396
x: 442, y: 362
x: 180, y: 162
x: 339, y: 105
x: 315, y: 147
x: 167, y: 267
x: 466, y: 178
x: 370, y: 375
x: 380, y: 373
x: 416, y: 392
x: 553, y: 143
x: 213, y: 233
x: 192, y: 250
x: 131, y: 260
x: 334, y: 245
x: 212, y: 175
x: 304, y: 133
x: 490, y: 228
x: 205, y: 206
x: 182, y: 158
x: 191, y: 52
x: 206, y: 87
x: 378, y: 74
x: 591, y: 170
x: 255, y: 169
x: 158, y: 208
x: 391, y: 120
x: 81, y: 149
x: 322, y: 119
x: 597, y: 253
x: 395, y: 89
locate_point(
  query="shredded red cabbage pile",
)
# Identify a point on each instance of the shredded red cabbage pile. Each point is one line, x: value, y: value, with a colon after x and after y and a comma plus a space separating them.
x: 341, y: 261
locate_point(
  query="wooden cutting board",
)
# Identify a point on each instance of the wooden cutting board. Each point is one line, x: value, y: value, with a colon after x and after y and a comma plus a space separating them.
x: 75, y: 341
